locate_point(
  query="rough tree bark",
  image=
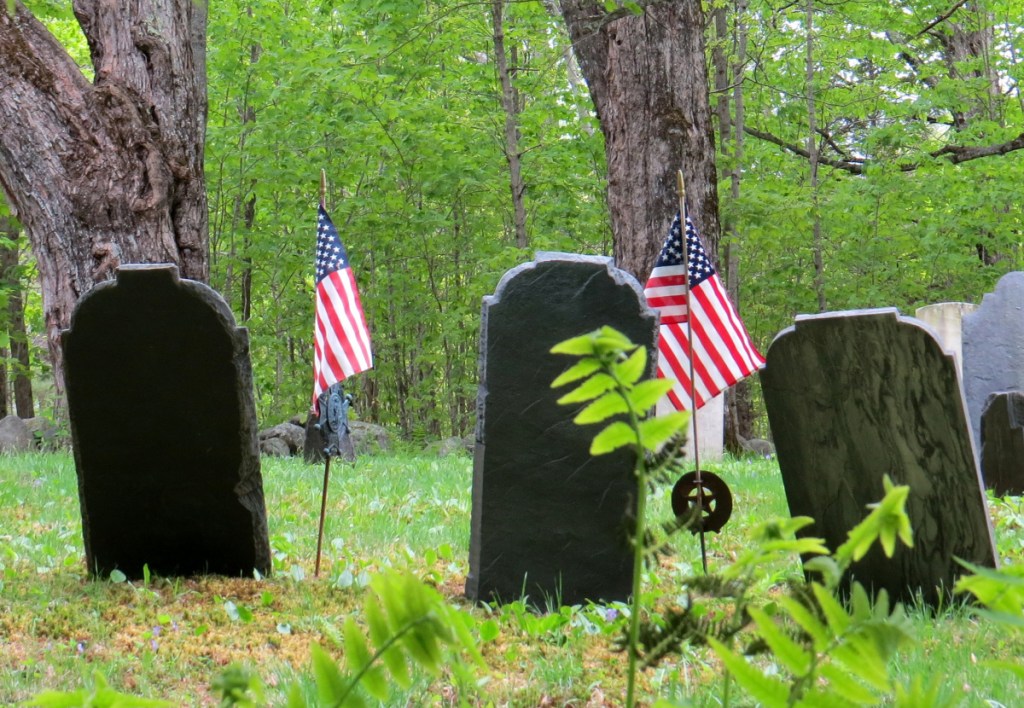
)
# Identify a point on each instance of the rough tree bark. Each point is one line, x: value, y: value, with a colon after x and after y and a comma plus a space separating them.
x: 106, y: 171
x: 649, y: 83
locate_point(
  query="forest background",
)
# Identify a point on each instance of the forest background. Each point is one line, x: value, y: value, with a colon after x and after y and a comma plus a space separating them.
x: 867, y: 156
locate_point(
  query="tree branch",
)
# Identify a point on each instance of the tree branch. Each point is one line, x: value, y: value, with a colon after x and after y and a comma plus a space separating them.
x: 956, y: 154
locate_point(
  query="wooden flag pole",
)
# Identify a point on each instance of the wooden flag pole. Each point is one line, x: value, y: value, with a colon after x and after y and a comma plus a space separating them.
x: 323, y: 188
x: 693, y: 384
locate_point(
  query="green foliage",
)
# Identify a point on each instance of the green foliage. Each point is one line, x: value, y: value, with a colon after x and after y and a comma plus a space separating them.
x: 408, y: 624
x: 99, y: 696
x: 823, y: 651
x: 608, y: 376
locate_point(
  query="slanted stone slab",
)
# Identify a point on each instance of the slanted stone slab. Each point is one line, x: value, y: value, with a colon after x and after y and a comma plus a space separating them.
x: 163, y: 423
x: 853, y: 396
x: 549, y: 521
x: 1002, y: 443
x: 994, y: 346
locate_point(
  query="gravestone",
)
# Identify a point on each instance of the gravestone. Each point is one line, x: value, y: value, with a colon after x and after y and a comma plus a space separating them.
x: 1002, y: 443
x: 163, y: 424
x: 994, y: 346
x: 710, y: 420
x: 854, y: 396
x: 549, y: 521
x: 946, y: 318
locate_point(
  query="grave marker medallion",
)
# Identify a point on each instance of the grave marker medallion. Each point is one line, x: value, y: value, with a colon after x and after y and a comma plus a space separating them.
x: 163, y: 422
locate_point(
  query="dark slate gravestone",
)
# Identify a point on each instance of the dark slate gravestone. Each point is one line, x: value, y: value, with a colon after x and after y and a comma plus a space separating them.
x: 163, y: 422
x: 1002, y: 443
x: 853, y: 396
x: 549, y: 521
x: 993, y: 346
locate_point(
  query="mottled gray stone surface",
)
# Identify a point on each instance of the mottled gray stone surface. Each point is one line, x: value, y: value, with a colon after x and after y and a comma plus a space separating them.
x: 993, y: 344
x: 548, y: 520
x: 1002, y: 443
x: 853, y: 396
x: 163, y: 424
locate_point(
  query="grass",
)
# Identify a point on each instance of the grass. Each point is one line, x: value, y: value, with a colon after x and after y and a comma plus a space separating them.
x: 172, y: 637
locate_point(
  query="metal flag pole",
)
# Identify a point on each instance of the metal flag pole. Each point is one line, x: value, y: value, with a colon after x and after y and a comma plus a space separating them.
x: 327, y: 456
x: 323, y: 514
x: 693, y: 386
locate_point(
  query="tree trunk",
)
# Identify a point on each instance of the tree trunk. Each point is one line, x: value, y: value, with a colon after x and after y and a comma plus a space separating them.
x: 649, y: 83
x: 110, y: 171
x: 20, y: 367
x: 512, y: 106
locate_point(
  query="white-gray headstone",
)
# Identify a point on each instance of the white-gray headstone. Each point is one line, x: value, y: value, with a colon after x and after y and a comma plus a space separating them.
x: 946, y: 318
x: 854, y: 396
x: 549, y: 521
x: 994, y: 346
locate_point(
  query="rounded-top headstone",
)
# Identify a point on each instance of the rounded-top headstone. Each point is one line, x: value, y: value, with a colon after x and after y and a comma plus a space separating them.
x: 163, y: 424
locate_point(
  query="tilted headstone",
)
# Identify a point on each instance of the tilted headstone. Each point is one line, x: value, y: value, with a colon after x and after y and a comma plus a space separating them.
x: 1002, y: 443
x: 549, y: 521
x: 994, y: 346
x: 163, y: 422
x: 946, y: 318
x: 854, y: 396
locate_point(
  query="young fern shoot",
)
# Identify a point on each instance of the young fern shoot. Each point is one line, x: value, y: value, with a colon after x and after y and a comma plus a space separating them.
x: 609, y: 378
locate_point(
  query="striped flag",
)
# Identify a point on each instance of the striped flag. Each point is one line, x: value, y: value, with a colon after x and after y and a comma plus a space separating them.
x: 722, y: 351
x: 341, y: 342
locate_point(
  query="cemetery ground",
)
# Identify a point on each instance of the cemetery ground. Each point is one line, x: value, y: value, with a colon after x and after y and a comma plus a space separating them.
x: 174, y: 638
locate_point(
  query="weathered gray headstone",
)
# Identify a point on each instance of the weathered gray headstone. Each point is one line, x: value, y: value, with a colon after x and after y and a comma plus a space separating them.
x: 946, y: 318
x: 163, y: 424
x: 1002, y: 443
x: 549, y: 521
x: 854, y: 396
x: 993, y: 346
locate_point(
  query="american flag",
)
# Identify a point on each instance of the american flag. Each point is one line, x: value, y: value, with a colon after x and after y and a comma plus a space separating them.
x: 722, y: 351
x: 341, y: 342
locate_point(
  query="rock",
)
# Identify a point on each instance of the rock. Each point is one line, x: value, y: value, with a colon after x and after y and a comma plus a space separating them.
x: 368, y: 438
x: 757, y: 446
x: 453, y: 446
x: 293, y: 436
x: 274, y: 447
x: 15, y: 435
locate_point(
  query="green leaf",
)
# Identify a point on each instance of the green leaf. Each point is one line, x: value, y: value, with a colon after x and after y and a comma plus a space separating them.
x: 330, y: 684
x: 116, y: 576
x: 590, y: 389
x: 582, y: 345
x: 581, y: 369
x: 616, y: 435
x: 489, y: 630
x: 655, y: 432
x: 806, y: 620
x: 788, y: 653
x: 359, y: 659
x: 602, y: 409
x: 846, y: 686
x: 766, y: 689
x: 633, y: 367
x: 380, y: 635
x: 835, y: 615
x: 646, y: 394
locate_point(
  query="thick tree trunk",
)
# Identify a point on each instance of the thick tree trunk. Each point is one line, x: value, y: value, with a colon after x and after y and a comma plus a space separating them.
x: 111, y: 171
x: 648, y: 79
